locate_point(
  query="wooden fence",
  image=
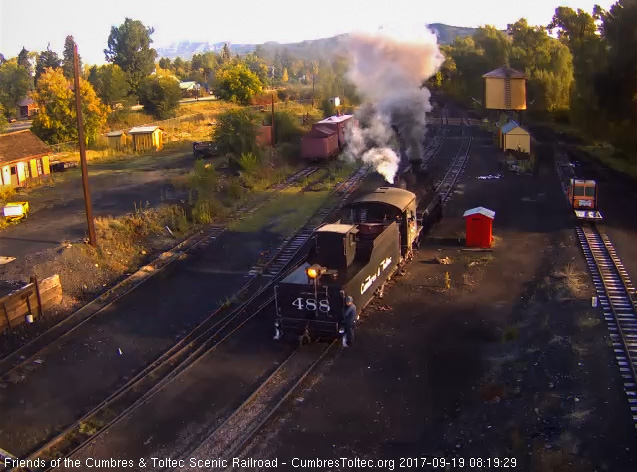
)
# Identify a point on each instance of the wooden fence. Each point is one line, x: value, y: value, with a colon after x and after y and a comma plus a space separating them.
x: 33, y: 299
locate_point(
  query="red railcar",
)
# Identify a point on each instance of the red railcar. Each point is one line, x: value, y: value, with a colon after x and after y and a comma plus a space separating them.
x: 320, y: 143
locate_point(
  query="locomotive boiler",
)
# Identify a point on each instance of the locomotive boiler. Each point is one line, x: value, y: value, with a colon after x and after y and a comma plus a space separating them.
x: 353, y: 257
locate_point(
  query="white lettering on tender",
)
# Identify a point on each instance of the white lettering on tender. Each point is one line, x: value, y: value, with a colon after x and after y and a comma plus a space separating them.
x: 370, y: 279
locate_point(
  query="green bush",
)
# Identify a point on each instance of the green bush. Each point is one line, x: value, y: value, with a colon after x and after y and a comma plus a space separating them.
x: 249, y: 163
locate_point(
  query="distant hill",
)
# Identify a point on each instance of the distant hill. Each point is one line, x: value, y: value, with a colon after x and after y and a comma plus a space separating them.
x: 446, y: 34
x: 310, y: 49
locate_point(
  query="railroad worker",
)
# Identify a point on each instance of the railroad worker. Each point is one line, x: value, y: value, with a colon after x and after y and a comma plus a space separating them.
x: 349, y: 321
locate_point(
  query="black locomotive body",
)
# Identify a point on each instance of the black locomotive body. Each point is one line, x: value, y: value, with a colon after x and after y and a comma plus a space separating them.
x: 353, y: 257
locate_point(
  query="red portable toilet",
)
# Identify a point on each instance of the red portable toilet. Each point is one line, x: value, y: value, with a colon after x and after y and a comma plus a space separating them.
x: 479, y: 226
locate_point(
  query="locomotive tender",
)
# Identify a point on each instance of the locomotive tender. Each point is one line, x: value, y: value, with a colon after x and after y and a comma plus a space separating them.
x: 352, y: 257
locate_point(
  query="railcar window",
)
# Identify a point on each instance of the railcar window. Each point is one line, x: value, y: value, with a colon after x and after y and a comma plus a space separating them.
x: 590, y: 191
x: 578, y: 191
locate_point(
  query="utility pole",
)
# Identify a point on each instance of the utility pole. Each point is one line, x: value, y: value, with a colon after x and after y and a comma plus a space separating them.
x: 273, y: 135
x: 80, y: 135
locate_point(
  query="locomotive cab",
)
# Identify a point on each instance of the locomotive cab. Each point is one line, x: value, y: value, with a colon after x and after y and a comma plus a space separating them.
x: 583, y: 198
x: 353, y: 257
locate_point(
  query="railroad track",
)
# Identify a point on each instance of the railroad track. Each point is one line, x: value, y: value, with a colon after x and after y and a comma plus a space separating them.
x: 615, y: 294
x: 446, y: 185
x: 216, y: 328
x: 24, y: 357
x: 614, y: 289
x: 228, y: 439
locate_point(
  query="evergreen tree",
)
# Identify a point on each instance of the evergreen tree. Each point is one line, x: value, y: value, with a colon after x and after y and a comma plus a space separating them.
x: 23, y: 61
x: 67, y: 67
x: 129, y: 48
x: 46, y: 59
x: 225, y: 53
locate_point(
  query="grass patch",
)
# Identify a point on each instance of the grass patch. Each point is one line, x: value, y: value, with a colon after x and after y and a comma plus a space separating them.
x: 607, y: 155
x: 510, y: 333
x: 571, y: 282
x: 286, y: 213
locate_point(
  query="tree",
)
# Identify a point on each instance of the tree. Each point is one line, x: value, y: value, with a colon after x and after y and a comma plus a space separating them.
x: 2, y: 59
x: 286, y: 126
x: 164, y: 63
x: 285, y: 77
x: 578, y: 31
x: 258, y: 66
x: 110, y: 84
x: 129, y: 48
x: 23, y: 61
x: 236, y: 133
x: 237, y: 83
x: 45, y: 60
x: 160, y: 96
x: 225, y: 55
x: 67, y: 65
x: 547, y: 62
x: 495, y: 44
x: 56, y: 121
x: 3, y: 121
x: 15, y: 83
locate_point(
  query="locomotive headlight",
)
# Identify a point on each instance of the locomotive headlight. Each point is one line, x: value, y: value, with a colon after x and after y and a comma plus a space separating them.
x: 315, y: 271
x: 341, y: 330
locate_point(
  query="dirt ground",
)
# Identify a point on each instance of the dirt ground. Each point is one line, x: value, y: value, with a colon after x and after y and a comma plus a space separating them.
x: 57, y: 212
x: 509, y: 362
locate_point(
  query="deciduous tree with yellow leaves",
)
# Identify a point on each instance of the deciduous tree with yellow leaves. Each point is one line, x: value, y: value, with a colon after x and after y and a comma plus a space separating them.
x: 56, y: 121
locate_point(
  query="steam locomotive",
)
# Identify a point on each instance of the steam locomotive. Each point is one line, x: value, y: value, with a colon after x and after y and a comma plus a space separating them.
x: 354, y: 257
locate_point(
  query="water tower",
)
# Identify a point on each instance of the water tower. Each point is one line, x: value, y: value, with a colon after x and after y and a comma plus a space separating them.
x: 505, y: 91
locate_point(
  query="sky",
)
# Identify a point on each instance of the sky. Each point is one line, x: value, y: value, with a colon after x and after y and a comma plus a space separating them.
x: 35, y: 23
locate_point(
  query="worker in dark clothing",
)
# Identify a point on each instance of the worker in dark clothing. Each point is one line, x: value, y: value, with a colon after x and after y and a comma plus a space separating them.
x: 349, y: 320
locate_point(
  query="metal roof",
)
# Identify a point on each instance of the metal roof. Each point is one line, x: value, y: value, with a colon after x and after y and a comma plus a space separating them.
x: 187, y: 85
x: 480, y: 210
x: 336, y: 228
x: 396, y: 197
x: 143, y: 129
x: 510, y: 126
x: 115, y: 133
x: 335, y: 119
x: 321, y: 131
x: 504, y: 72
x: 26, y: 102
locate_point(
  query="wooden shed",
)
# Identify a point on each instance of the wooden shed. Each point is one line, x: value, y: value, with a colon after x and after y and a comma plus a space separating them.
x: 505, y: 89
x: 514, y: 137
x: 479, y: 227
x: 147, y: 137
x: 116, y: 139
x: 23, y: 157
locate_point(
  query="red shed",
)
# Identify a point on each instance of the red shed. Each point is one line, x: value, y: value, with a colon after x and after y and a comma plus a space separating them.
x: 479, y: 226
x: 320, y: 143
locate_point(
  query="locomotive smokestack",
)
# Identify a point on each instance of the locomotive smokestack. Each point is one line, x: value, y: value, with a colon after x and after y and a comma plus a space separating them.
x: 388, y: 70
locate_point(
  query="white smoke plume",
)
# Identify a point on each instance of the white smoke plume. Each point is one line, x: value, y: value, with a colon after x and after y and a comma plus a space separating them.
x: 388, y: 69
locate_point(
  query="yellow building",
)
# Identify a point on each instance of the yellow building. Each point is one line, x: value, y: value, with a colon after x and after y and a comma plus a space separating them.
x: 116, y: 139
x: 514, y: 137
x: 23, y: 157
x: 147, y: 137
x: 505, y: 89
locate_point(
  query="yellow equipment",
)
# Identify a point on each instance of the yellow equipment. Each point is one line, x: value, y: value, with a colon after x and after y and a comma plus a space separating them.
x: 16, y: 210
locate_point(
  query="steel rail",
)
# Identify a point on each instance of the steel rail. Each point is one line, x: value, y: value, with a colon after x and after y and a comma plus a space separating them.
x: 202, y: 339
x: 28, y: 353
x: 614, y: 291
